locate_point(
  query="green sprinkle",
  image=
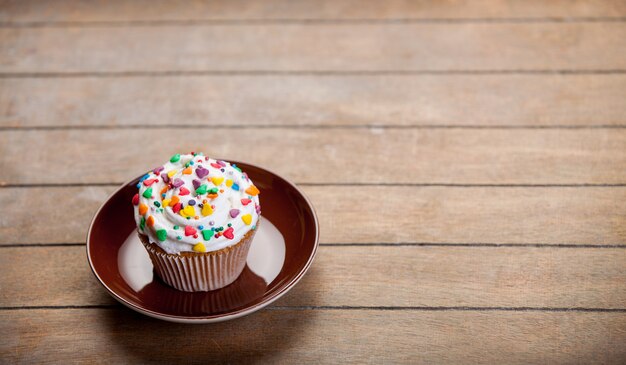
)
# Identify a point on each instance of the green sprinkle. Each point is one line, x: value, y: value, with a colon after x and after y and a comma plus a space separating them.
x: 213, y: 190
x: 142, y: 223
x: 161, y: 234
x: 175, y: 158
x: 176, y: 227
x: 207, y: 234
x: 202, y: 189
x: 147, y: 193
x: 179, y: 238
x: 230, y: 224
x: 157, y: 204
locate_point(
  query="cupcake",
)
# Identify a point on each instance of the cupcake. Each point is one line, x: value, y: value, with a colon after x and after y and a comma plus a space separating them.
x: 197, y: 217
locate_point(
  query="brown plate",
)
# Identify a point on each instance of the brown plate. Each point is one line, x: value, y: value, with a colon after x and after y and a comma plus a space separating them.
x: 281, y: 253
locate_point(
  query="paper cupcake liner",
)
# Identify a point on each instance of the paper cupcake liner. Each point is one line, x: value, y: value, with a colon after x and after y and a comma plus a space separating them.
x: 192, y: 271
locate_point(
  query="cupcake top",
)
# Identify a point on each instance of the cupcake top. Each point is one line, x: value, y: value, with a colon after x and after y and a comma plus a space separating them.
x: 195, y: 203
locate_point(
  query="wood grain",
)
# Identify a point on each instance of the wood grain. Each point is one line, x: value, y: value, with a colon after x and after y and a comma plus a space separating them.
x: 588, y: 216
x: 78, y: 11
x: 335, y: 47
x: 293, y: 336
x: 342, y: 276
x: 337, y: 155
x: 423, y: 100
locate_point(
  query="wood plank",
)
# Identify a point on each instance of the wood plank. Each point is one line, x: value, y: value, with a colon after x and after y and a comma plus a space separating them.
x: 336, y: 47
x: 335, y: 155
x: 501, y: 215
x: 293, y: 336
x: 78, y: 11
x: 342, y: 276
x: 495, y: 100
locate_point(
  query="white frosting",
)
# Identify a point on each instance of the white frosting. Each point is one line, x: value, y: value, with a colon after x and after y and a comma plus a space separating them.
x: 172, y: 229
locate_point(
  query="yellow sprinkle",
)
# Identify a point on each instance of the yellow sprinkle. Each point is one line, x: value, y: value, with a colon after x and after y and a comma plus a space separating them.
x: 189, y: 211
x: 166, y: 202
x: 171, y: 173
x: 207, y: 210
x: 229, y: 183
x: 246, y: 218
x: 217, y: 180
x: 199, y: 247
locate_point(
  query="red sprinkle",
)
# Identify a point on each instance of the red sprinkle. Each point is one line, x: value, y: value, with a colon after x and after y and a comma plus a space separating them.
x: 229, y: 233
x: 216, y: 165
x: 176, y: 207
x: 190, y: 231
x: 136, y: 199
x: 183, y: 191
x: 245, y: 201
x: 149, y: 182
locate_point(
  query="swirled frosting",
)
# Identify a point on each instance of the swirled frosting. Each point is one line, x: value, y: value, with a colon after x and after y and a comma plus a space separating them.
x: 195, y: 203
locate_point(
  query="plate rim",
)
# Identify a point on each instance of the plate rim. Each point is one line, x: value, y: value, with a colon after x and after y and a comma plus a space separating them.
x: 211, y: 318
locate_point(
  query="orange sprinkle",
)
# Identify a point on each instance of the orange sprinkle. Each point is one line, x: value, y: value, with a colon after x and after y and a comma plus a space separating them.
x: 174, y: 201
x: 164, y: 190
x: 187, y: 171
x: 252, y: 190
x: 143, y: 209
x: 221, y: 190
x: 150, y: 221
x: 212, y: 196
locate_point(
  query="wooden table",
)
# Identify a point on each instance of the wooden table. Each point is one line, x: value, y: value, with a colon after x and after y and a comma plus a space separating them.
x: 467, y: 160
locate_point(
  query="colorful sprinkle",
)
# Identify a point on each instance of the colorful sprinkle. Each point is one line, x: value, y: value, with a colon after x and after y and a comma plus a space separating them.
x: 207, y: 210
x: 148, y: 193
x: 175, y: 199
x: 166, y: 202
x: 149, y: 182
x: 161, y: 234
x: 247, y: 219
x: 190, y: 231
x: 142, y: 223
x: 175, y: 158
x: 217, y: 166
x: 252, y: 190
x: 245, y: 201
x: 158, y: 170
x: 177, y: 207
x: 207, y: 234
x: 171, y: 173
x: 229, y: 233
x: 235, y: 187
x: 202, y: 172
x: 217, y: 180
x: 199, y: 247
x: 183, y: 191
x: 136, y: 199
x: 234, y: 213
x: 201, y: 189
x: 187, y: 171
x: 196, y: 183
x: 143, y: 209
x: 188, y: 211
x: 165, y: 177
x: 229, y: 183
x: 213, y: 190
x: 191, y: 202
x: 178, y: 183
x: 150, y: 221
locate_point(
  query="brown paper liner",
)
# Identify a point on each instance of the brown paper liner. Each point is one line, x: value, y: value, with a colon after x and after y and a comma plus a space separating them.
x: 200, y: 271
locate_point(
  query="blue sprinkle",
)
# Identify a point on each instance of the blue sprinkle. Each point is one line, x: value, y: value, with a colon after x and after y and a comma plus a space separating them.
x: 235, y: 187
x: 138, y: 186
x: 144, y: 177
x: 191, y: 202
x: 200, y: 227
x: 191, y: 163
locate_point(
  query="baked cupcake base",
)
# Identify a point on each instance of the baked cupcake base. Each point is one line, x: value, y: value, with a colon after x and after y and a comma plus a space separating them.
x: 200, y: 271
